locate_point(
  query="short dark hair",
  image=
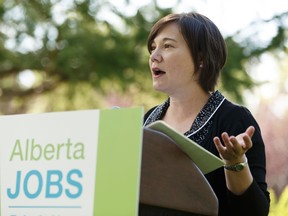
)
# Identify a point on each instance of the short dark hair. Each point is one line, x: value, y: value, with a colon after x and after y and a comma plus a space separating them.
x: 206, y: 44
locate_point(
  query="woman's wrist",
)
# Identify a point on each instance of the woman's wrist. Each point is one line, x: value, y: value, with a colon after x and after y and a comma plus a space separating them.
x: 235, y: 161
x: 237, y: 166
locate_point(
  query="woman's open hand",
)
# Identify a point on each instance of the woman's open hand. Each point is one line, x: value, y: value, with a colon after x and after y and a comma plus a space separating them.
x: 233, y: 149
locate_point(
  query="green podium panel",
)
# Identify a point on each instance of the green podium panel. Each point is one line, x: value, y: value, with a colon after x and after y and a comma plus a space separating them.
x: 71, y: 163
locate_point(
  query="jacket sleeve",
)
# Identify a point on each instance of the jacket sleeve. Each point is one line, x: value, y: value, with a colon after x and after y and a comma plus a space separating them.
x: 255, y: 201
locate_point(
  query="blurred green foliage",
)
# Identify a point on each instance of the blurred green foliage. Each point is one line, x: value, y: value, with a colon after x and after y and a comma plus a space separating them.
x: 77, y: 59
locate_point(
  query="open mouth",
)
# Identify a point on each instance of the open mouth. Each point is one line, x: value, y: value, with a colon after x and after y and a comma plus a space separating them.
x: 158, y: 72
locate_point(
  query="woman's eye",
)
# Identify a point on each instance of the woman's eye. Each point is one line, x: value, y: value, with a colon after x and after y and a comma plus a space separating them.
x: 167, y: 45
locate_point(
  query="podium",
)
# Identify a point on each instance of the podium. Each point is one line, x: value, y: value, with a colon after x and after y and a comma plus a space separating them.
x: 84, y: 162
x: 170, y: 179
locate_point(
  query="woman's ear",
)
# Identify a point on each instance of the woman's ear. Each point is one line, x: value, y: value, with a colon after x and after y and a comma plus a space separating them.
x: 201, y: 63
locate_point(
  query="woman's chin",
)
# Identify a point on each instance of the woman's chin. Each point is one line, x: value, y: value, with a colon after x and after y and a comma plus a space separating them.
x: 159, y: 88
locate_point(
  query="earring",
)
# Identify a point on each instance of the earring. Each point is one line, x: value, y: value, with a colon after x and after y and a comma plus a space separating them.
x: 201, y: 65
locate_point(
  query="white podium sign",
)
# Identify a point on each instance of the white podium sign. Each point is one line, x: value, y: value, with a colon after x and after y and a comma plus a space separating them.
x: 71, y: 163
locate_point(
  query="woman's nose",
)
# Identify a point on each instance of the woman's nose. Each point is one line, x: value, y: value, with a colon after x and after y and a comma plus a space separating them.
x: 156, y: 56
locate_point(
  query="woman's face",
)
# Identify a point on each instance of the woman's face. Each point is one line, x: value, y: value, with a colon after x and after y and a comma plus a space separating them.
x: 171, y: 62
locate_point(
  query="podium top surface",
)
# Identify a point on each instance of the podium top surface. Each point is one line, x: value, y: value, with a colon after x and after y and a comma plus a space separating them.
x: 170, y: 179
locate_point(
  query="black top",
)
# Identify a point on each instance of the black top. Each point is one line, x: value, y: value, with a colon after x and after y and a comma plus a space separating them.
x: 217, y: 116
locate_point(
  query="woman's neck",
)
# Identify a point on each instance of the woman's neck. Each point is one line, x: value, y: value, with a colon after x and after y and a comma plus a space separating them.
x: 182, y: 111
